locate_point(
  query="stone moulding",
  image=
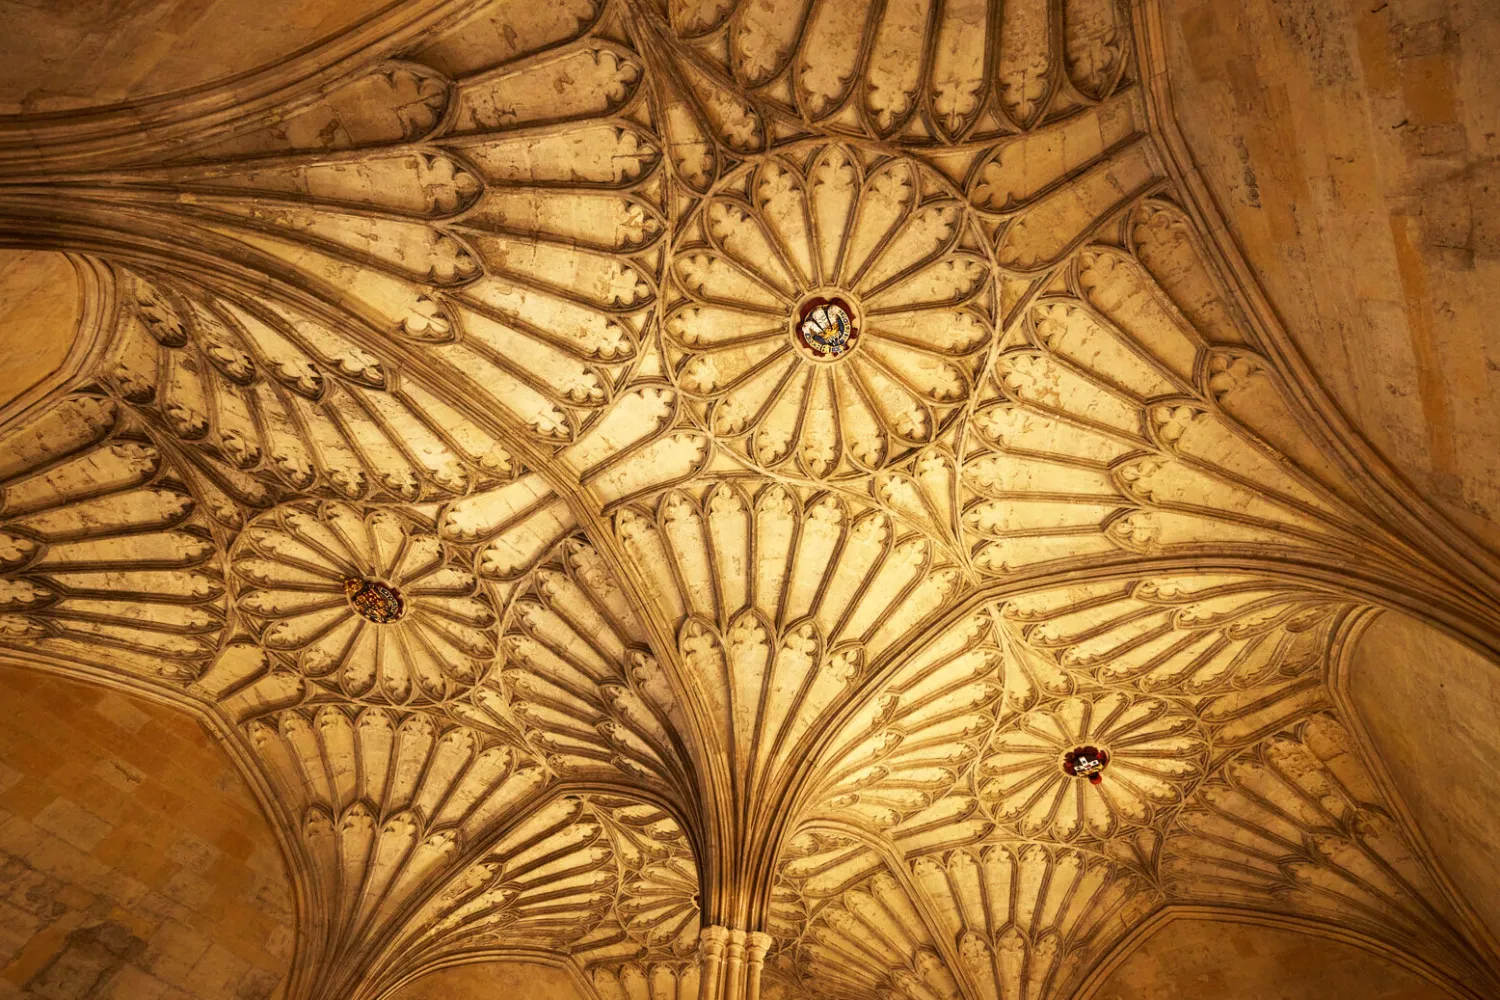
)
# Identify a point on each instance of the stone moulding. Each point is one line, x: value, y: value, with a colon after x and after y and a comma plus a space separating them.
x: 1392, y: 494
x: 1345, y: 642
x: 81, y: 136
x: 96, y: 290
x: 533, y: 956
x: 655, y: 603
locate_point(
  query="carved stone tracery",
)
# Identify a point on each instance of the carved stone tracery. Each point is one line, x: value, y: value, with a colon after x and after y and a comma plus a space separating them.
x: 676, y: 486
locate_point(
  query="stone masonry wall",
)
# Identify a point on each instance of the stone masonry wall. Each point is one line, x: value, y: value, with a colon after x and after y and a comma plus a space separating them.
x: 134, y: 864
x: 1355, y: 150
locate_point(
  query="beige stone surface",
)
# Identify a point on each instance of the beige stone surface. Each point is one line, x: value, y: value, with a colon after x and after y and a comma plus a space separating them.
x: 1353, y: 150
x: 1432, y: 708
x: 730, y: 500
x: 41, y: 305
x: 1223, y: 960
x: 135, y: 861
x: 521, y: 980
x: 80, y: 55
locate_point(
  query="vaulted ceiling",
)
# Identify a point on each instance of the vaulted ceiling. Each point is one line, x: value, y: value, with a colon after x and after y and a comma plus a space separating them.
x: 605, y: 469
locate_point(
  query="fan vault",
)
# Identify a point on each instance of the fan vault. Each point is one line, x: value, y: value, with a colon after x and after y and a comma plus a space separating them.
x: 729, y: 499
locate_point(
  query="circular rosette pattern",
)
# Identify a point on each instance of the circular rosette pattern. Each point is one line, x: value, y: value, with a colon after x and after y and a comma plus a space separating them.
x: 368, y: 605
x: 889, y: 243
x: 1154, y: 749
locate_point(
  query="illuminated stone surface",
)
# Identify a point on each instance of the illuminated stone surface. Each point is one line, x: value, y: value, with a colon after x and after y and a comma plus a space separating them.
x: 652, y: 498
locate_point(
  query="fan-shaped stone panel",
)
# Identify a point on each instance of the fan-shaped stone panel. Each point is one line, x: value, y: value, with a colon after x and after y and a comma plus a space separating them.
x: 386, y: 804
x: 107, y: 556
x: 781, y: 600
x: 1027, y: 922
x: 910, y: 72
x: 607, y: 880
x: 576, y: 677
x: 1111, y: 420
x: 991, y: 919
x: 279, y: 399
x: 1295, y: 824
x: 850, y: 926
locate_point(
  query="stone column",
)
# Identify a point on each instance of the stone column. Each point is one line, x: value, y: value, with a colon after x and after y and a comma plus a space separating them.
x: 734, y: 966
x: 730, y: 963
x: 757, y: 943
x: 711, y: 943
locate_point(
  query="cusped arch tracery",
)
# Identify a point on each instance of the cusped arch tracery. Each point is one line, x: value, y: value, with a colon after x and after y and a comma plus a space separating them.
x: 426, y: 841
x: 577, y: 677
x: 105, y: 552
x: 981, y: 917
x: 911, y: 73
x: 892, y: 244
x: 367, y: 606
x: 623, y: 445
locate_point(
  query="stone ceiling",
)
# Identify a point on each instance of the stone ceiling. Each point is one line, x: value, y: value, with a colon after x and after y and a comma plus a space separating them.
x: 610, y: 468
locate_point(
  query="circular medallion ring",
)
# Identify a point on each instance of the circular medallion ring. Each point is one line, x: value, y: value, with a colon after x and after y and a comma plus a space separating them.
x: 375, y: 600
x: 825, y: 325
x: 1086, y: 762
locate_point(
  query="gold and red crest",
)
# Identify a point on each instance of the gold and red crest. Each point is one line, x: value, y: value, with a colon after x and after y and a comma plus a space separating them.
x: 375, y: 601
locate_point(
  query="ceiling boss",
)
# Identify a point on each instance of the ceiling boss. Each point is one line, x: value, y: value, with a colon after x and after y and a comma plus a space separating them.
x: 377, y: 601
x: 744, y: 500
x: 828, y: 309
x: 1086, y: 762
x: 825, y: 327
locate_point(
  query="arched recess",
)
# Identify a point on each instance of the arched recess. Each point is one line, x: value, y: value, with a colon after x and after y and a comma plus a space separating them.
x: 857, y: 916
x: 537, y: 977
x: 1343, y: 588
x: 136, y: 859
x: 1428, y: 707
x: 54, y: 307
x: 1200, y: 953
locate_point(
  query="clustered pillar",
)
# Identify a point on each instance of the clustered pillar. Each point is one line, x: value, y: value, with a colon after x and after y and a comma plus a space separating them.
x: 730, y: 963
